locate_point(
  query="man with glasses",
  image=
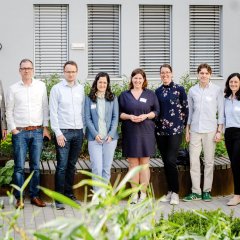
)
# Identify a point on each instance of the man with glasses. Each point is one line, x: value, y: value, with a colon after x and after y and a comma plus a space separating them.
x: 66, y: 114
x: 27, y: 119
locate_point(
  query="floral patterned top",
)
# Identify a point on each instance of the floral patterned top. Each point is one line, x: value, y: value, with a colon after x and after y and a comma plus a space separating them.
x: 173, y: 109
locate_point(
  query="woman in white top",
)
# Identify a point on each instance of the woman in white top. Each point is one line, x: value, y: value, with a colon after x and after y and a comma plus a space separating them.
x: 232, y: 131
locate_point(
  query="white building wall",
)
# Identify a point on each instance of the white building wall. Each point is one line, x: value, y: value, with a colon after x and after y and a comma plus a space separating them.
x: 17, y: 39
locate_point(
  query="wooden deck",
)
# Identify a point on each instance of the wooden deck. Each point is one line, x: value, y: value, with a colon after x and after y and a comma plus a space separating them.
x: 222, y: 183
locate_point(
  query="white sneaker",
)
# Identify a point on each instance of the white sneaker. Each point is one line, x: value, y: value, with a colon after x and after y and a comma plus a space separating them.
x: 134, y: 198
x: 234, y: 201
x: 174, y: 199
x: 166, y: 198
x: 142, y: 197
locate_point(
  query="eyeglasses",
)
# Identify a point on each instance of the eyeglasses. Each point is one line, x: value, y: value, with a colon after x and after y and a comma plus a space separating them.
x: 26, y: 69
x: 70, y: 72
x: 165, y: 73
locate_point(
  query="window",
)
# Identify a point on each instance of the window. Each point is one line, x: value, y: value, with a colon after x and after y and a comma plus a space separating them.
x: 205, y: 38
x: 154, y: 37
x: 104, y: 39
x: 51, y: 41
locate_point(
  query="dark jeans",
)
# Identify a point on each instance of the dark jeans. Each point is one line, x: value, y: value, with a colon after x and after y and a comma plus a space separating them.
x: 67, y: 157
x: 232, y: 141
x: 168, y: 147
x: 22, y: 142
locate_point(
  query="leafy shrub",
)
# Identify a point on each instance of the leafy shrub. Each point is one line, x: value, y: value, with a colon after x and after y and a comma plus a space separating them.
x: 6, y: 147
x: 6, y: 173
x: 51, y: 81
x: 110, y: 219
x: 186, y: 82
x: 221, y: 149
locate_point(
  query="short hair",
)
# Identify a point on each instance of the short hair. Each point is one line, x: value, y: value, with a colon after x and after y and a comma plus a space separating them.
x: 135, y: 72
x: 70, y: 63
x: 166, y: 66
x: 25, y: 60
x: 227, y: 90
x: 204, y: 65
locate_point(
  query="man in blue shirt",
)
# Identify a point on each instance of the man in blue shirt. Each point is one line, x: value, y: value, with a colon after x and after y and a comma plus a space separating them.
x: 66, y: 115
x: 204, y: 128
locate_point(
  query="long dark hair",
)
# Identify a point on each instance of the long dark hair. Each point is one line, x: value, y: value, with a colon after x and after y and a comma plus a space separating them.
x: 109, y: 96
x: 227, y: 90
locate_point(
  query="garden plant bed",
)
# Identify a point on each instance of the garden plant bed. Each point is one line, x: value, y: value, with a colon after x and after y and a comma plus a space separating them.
x: 222, y: 182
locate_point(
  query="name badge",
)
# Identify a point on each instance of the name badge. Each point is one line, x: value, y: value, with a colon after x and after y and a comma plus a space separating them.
x: 143, y: 100
x: 93, y: 106
x: 208, y: 98
x: 237, y: 109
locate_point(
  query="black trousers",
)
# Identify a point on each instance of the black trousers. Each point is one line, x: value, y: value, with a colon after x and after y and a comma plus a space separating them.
x: 168, y: 147
x: 232, y: 141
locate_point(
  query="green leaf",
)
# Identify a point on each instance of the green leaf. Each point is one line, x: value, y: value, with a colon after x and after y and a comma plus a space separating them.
x: 26, y: 181
x: 129, y: 176
x: 91, y: 182
x: 59, y: 197
x: 73, y: 228
x: 41, y: 236
x: 16, y: 187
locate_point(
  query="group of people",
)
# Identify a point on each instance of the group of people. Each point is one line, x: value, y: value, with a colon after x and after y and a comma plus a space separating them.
x: 146, y: 117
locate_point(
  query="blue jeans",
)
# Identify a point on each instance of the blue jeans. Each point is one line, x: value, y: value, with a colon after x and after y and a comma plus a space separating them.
x: 67, y: 157
x: 24, y: 141
x: 101, y: 157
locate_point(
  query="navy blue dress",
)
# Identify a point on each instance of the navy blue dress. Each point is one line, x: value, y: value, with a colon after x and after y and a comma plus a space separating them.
x: 138, y: 139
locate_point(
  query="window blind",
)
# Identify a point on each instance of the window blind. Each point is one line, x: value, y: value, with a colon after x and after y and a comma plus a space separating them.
x: 104, y: 39
x: 154, y: 37
x: 50, y: 38
x: 205, y: 38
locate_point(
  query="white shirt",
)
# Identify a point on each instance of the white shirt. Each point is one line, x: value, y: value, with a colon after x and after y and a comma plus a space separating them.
x: 27, y: 105
x: 66, y: 107
x: 204, y: 106
x: 232, y: 113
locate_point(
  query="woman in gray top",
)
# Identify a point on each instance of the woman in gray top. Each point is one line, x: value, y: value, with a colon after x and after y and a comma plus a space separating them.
x: 101, y: 116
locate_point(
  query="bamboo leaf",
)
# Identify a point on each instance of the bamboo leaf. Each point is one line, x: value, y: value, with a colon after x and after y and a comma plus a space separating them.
x: 16, y: 187
x: 26, y: 181
x: 128, y: 177
x: 91, y: 182
x: 59, y: 197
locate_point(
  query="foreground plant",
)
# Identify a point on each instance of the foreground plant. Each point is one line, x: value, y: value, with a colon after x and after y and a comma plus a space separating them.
x: 110, y: 218
x: 9, y: 219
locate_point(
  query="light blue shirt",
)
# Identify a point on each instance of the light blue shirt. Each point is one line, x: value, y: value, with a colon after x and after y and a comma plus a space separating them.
x: 232, y: 112
x: 204, y: 106
x: 66, y: 107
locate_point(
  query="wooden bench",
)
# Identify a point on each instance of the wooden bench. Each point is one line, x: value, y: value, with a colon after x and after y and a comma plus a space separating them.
x: 222, y: 182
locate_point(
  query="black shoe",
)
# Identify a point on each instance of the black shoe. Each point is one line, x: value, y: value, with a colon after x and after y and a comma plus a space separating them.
x: 72, y: 197
x: 59, y: 206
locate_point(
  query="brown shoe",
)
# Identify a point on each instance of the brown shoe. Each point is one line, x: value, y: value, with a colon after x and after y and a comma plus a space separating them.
x: 19, y: 204
x: 38, y: 202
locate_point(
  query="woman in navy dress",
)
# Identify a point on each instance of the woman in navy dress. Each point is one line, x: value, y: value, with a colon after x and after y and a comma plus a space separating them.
x: 138, y: 107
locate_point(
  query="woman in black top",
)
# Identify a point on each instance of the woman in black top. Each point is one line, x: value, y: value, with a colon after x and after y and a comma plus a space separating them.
x: 169, y: 127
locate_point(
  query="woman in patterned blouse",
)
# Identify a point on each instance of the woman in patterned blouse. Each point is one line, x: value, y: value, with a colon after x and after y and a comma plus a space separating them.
x: 169, y: 128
